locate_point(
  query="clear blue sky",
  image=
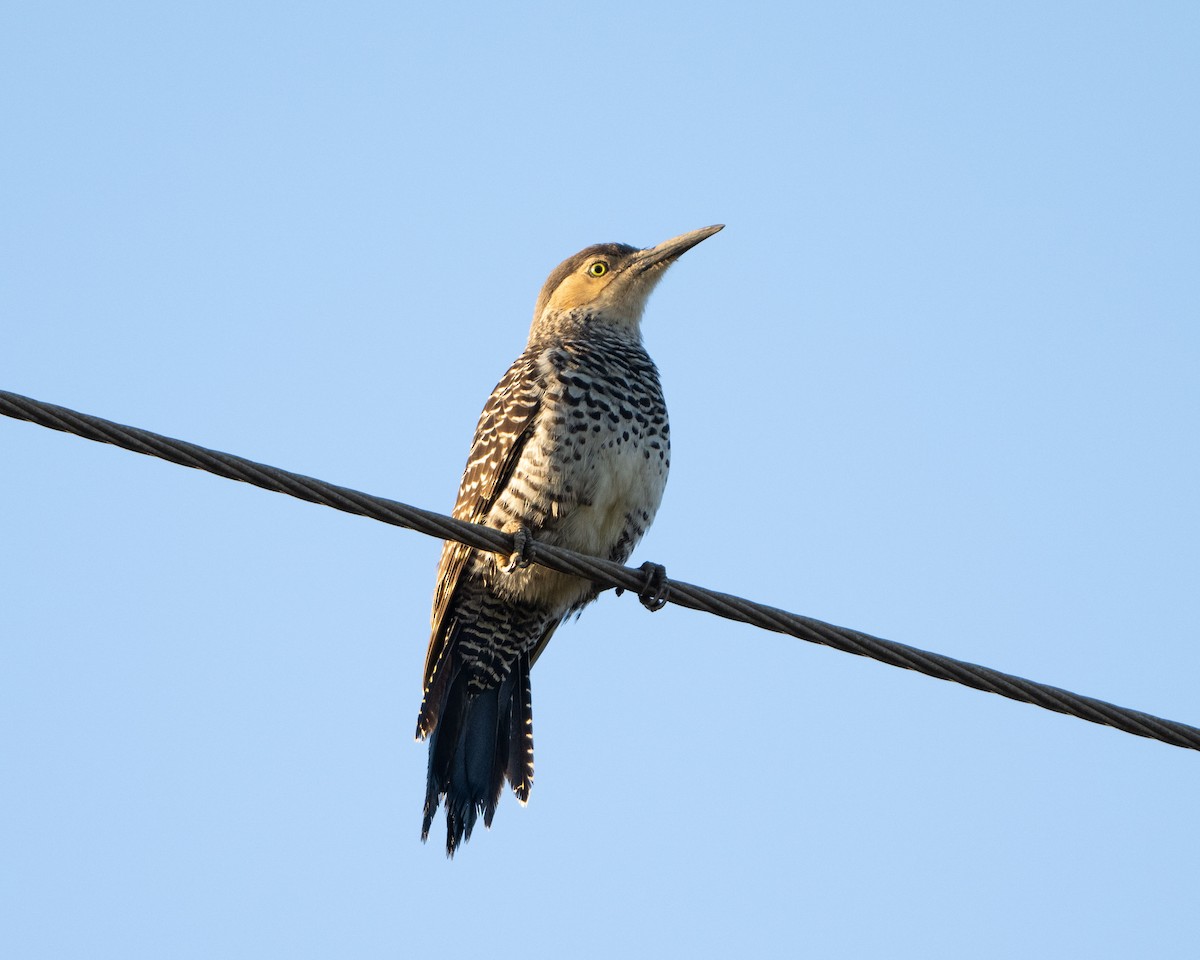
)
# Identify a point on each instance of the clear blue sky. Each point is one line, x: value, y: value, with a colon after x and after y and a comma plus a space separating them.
x: 937, y: 380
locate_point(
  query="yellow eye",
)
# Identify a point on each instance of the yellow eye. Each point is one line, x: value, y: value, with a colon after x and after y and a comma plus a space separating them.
x: 598, y: 269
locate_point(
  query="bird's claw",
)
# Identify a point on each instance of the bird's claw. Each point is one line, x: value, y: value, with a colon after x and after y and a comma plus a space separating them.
x: 522, y: 554
x: 654, y: 593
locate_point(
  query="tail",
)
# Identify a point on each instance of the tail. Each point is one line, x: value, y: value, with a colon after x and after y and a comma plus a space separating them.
x: 479, y: 738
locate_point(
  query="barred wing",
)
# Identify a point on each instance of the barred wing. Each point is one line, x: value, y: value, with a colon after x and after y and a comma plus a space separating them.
x: 506, y: 423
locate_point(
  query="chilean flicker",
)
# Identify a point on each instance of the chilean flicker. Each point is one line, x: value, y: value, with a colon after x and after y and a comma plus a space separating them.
x: 572, y: 449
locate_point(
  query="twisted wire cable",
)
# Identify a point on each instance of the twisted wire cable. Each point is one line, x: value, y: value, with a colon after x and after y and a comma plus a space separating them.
x: 602, y: 572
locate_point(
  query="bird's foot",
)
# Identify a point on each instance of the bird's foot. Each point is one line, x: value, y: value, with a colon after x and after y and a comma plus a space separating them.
x: 654, y: 594
x: 522, y: 554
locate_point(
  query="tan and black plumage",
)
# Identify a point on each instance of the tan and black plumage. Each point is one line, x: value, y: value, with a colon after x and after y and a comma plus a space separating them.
x: 572, y: 448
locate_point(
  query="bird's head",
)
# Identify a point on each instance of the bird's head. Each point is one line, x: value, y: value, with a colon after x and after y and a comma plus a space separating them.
x: 608, y: 282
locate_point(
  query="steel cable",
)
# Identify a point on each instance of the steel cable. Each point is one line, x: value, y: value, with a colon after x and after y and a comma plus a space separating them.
x: 602, y: 572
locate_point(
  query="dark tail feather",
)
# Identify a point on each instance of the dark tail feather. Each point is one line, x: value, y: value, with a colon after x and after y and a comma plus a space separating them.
x: 520, y: 734
x: 480, y: 739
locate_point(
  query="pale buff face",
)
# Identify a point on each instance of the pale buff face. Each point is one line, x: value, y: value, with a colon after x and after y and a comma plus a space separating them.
x: 603, y: 285
x: 608, y: 281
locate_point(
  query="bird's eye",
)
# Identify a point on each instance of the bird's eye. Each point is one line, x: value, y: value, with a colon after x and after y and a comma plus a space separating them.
x: 598, y: 269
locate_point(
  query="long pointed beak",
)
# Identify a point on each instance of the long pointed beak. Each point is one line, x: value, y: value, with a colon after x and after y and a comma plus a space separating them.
x: 671, y: 250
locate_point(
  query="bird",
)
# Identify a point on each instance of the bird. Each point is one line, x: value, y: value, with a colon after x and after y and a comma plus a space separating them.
x: 572, y: 448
